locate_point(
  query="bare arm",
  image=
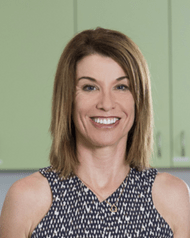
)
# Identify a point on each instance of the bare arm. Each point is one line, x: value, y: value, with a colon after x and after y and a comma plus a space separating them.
x: 14, y: 220
x: 26, y: 203
x: 172, y: 200
x: 182, y: 211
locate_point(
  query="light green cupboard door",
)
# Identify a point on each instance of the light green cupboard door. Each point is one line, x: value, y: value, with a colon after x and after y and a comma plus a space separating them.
x: 146, y: 23
x: 33, y: 35
x: 181, y: 82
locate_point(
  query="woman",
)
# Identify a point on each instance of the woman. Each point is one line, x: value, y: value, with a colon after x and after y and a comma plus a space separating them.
x: 99, y: 183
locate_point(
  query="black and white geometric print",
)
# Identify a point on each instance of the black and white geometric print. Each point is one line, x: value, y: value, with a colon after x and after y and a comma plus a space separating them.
x: 76, y: 211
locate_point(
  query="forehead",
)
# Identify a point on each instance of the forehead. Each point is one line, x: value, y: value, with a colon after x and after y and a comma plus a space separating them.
x: 98, y: 66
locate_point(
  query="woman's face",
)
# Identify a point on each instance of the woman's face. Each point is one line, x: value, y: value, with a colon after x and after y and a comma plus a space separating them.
x: 104, y: 108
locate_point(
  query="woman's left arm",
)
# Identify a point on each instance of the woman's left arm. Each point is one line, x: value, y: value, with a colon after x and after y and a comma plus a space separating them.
x: 181, y: 209
x: 171, y: 197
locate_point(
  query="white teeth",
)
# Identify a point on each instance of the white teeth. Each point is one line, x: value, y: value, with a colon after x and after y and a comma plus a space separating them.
x: 105, y: 121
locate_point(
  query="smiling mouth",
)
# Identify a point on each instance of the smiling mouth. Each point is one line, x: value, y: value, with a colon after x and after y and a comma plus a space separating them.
x: 105, y: 121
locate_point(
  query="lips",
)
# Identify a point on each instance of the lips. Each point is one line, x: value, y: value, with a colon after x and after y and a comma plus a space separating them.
x: 105, y: 122
x: 109, y: 117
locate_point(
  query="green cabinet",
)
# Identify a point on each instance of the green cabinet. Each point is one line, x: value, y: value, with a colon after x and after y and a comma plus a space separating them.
x: 33, y: 35
x: 146, y: 23
x: 181, y: 83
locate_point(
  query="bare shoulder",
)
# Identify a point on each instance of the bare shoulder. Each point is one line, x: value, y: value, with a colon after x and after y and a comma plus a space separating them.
x: 171, y: 197
x: 26, y: 202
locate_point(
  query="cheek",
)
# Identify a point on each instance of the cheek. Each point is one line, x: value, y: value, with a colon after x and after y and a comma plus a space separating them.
x: 130, y: 111
x: 81, y: 109
x: 83, y: 103
x: 128, y: 104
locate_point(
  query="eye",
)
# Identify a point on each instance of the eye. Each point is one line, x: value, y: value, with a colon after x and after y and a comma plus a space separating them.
x: 122, y: 87
x: 89, y: 88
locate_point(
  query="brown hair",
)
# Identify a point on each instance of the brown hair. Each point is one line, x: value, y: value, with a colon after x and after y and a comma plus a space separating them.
x: 127, y: 54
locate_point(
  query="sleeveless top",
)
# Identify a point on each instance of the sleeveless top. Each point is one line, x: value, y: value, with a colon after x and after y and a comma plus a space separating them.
x: 77, y: 212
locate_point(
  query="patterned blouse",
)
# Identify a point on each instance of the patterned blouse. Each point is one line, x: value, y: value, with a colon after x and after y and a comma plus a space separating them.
x: 77, y: 212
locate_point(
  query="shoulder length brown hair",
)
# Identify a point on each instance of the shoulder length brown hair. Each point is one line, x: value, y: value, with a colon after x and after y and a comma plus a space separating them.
x: 126, y: 53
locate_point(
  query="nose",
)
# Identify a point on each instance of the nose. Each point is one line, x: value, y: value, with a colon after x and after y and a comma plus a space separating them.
x: 106, y: 101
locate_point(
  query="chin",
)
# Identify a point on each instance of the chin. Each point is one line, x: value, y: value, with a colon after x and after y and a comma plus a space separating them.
x: 105, y: 142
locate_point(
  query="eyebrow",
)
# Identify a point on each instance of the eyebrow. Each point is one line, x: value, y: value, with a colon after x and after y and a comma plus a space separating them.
x: 94, y: 80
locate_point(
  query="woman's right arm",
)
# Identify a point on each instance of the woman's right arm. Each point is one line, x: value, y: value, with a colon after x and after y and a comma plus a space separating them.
x: 15, y: 218
x: 26, y: 203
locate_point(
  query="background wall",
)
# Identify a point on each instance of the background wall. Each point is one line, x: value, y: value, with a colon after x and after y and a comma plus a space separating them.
x: 33, y: 35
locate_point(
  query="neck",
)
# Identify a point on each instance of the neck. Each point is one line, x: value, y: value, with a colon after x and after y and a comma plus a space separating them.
x: 102, y: 169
